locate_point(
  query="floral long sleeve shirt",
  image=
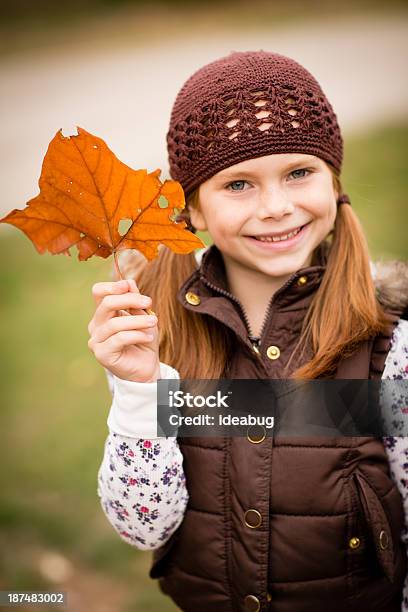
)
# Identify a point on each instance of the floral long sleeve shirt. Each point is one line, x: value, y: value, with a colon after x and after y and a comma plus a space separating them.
x: 141, y: 482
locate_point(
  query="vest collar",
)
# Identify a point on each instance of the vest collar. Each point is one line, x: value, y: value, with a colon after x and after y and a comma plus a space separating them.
x: 212, y: 274
x: 206, y: 292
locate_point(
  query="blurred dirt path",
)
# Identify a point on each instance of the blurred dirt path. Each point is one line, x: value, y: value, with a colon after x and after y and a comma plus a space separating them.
x: 125, y: 94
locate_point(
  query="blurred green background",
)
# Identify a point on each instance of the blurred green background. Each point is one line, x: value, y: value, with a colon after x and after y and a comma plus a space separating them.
x: 55, y: 399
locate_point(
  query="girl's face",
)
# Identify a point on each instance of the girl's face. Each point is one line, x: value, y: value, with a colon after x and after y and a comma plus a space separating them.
x: 244, y: 205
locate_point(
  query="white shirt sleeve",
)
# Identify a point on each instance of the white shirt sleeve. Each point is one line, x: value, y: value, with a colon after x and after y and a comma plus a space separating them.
x: 133, y: 412
x: 396, y: 447
x: 141, y: 482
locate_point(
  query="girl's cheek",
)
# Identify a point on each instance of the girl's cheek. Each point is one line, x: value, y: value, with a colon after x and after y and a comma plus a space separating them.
x: 321, y: 202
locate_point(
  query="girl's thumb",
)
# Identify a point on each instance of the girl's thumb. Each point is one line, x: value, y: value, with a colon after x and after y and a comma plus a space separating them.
x: 132, y: 285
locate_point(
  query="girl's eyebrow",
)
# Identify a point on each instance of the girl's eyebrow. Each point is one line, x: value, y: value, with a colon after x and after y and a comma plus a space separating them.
x: 228, y: 174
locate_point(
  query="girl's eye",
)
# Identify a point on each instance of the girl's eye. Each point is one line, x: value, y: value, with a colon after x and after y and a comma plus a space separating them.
x: 239, y: 185
x: 236, y: 186
x: 300, y: 173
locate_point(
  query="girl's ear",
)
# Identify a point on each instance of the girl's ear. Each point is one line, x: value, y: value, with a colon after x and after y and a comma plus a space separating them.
x: 197, y: 219
x: 336, y: 192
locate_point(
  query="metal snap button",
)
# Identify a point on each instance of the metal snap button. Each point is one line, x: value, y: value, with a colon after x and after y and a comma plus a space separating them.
x: 384, y: 540
x: 273, y: 352
x: 192, y: 298
x: 256, y: 434
x: 253, y: 518
x: 354, y: 542
x: 252, y: 603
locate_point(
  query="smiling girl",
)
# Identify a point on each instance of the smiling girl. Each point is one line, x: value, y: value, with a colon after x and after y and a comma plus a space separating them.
x: 266, y: 215
x: 286, y: 290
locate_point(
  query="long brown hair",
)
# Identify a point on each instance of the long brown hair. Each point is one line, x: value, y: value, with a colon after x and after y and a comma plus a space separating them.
x: 343, y: 313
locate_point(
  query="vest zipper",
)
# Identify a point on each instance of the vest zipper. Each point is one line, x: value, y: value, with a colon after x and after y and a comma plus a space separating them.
x: 232, y: 298
x: 254, y: 340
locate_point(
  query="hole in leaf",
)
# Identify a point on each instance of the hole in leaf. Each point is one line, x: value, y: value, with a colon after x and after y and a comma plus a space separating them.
x: 124, y: 225
x: 163, y: 202
x: 82, y: 235
x: 175, y: 214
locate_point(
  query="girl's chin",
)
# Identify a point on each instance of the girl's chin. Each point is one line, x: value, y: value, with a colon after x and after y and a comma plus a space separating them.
x: 284, y: 271
x: 284, y: 264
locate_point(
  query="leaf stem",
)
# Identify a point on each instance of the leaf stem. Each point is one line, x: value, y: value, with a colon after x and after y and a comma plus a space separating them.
x: 119, y: 274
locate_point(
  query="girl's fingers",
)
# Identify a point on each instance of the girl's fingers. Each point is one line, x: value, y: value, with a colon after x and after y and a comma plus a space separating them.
x: 135, y: 289
x: 100, y: 290
x: 119, y: 324
x: 119, y: 341
x: 111, y: 304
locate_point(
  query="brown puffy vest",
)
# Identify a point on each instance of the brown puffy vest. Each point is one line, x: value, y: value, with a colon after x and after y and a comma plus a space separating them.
x: 283, y: 524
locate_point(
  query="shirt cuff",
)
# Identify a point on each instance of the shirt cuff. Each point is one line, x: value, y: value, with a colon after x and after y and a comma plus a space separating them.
x: 134, y: 408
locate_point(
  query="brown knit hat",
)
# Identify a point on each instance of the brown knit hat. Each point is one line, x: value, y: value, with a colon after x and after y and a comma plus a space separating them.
x: 245, y: 105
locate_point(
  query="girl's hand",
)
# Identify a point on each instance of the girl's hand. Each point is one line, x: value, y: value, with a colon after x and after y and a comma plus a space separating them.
x: 127, y: 345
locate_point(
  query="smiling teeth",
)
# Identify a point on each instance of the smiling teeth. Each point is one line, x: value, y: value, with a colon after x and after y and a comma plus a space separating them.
x: 278, y: 238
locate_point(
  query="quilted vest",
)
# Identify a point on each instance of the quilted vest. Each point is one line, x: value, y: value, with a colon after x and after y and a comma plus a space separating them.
x: 283, y: 524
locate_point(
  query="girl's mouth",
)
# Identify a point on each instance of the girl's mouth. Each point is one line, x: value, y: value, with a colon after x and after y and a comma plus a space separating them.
x: 281, y: 242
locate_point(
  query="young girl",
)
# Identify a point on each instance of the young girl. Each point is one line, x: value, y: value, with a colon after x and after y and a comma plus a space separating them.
x: 286, y: 290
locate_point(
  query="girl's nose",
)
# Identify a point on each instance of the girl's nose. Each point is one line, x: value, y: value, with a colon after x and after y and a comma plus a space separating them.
x: 274, y: 203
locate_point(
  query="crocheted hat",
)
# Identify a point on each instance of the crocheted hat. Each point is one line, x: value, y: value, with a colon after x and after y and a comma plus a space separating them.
x: 245, y: 105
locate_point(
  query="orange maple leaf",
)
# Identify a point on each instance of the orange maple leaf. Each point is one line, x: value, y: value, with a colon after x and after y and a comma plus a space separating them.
x: 85, y: 191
